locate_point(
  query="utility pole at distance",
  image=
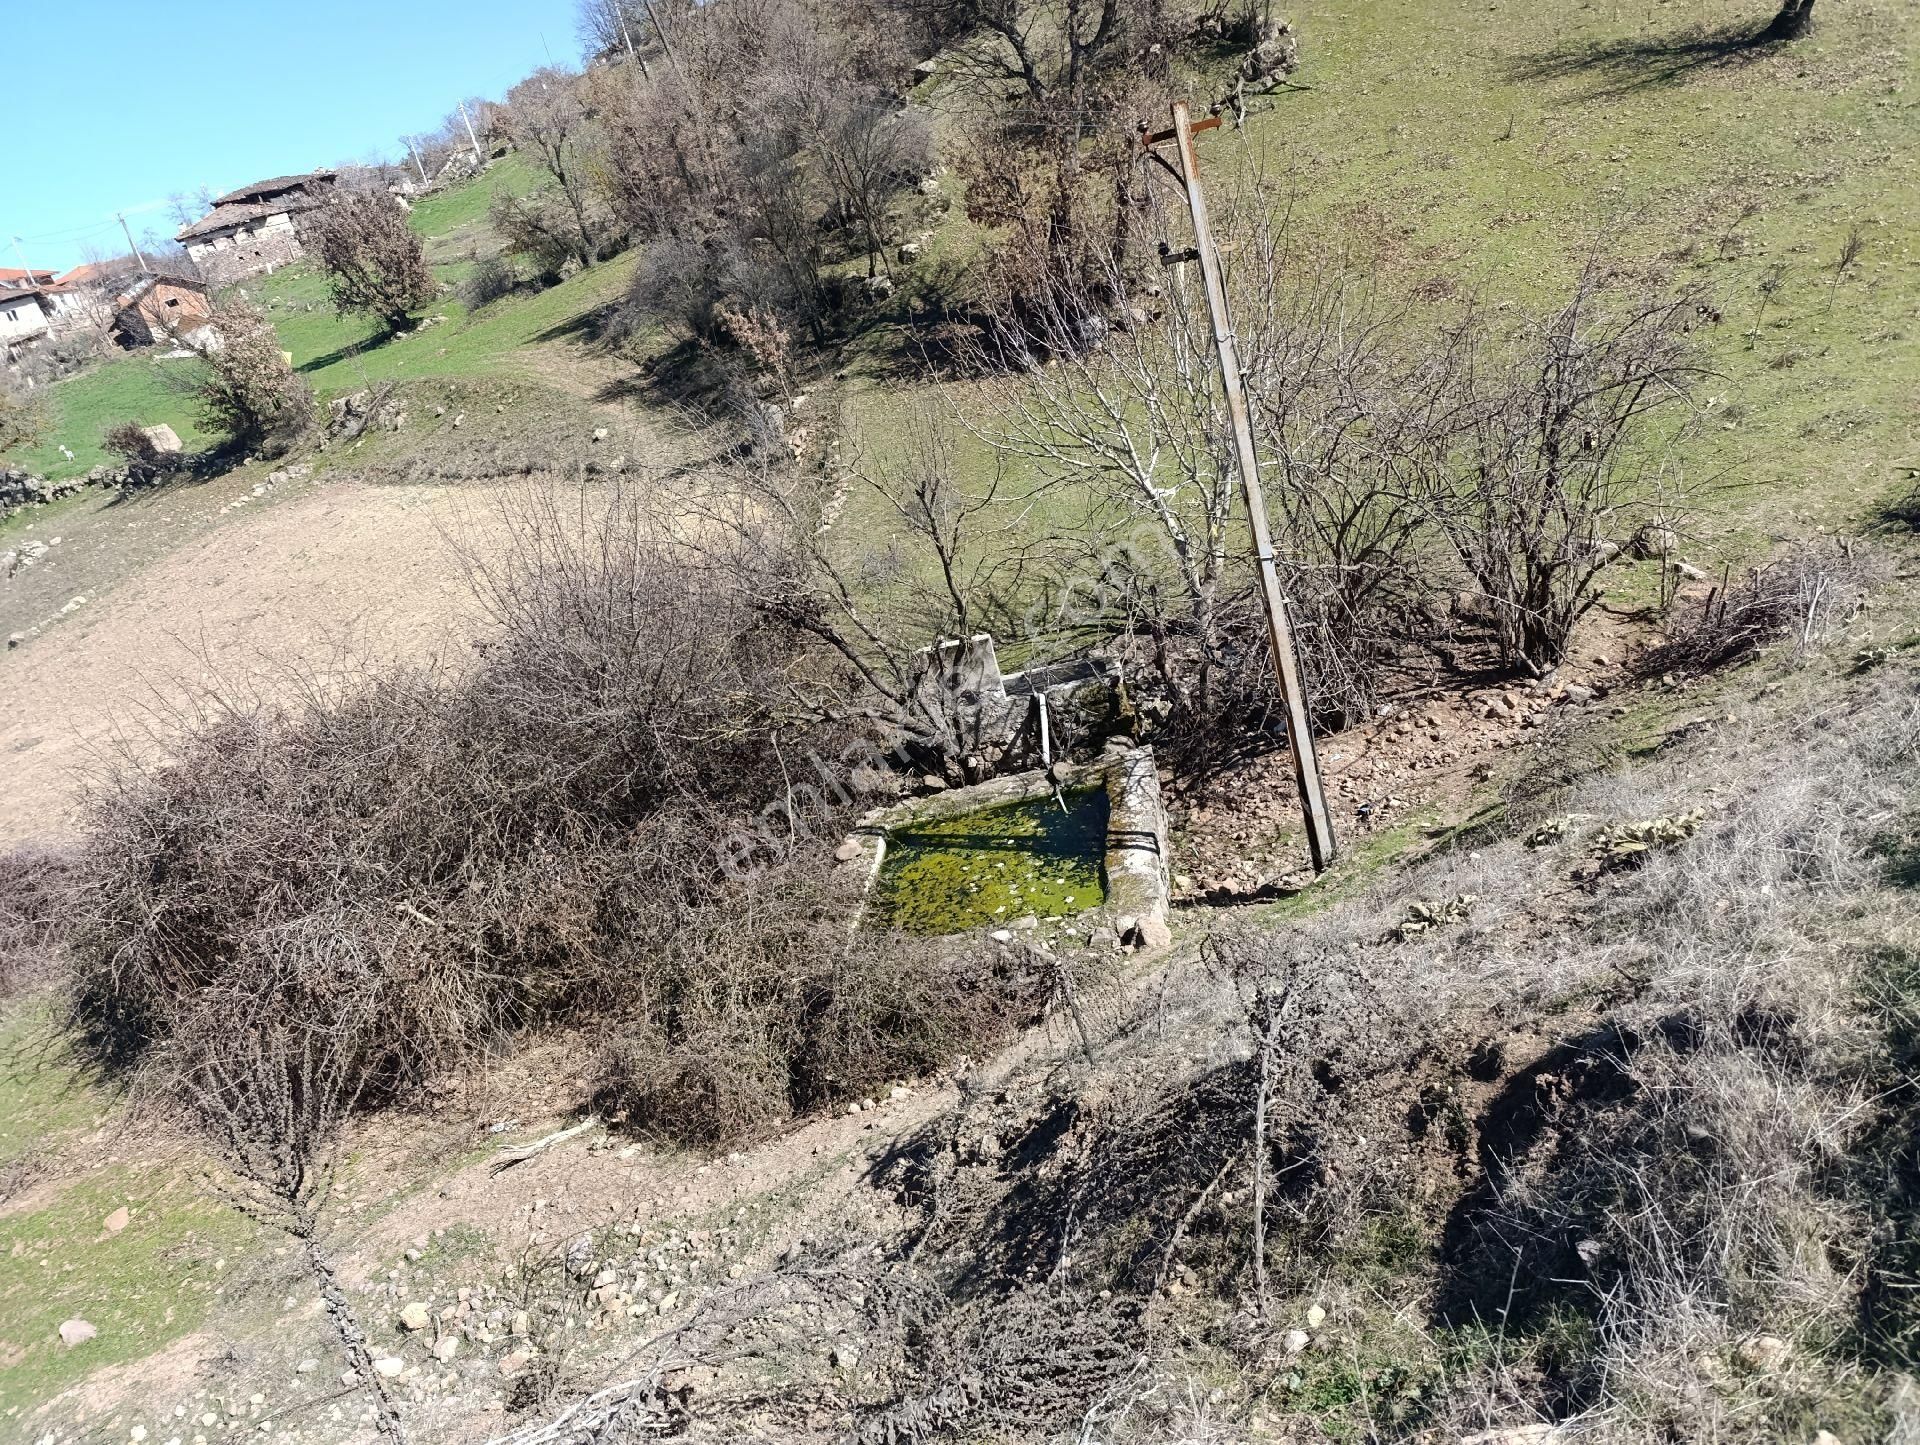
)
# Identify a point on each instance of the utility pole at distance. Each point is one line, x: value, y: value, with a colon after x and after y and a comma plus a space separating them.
x: 1306, y: 765
x: 478, y: 157
x: 121, y: 217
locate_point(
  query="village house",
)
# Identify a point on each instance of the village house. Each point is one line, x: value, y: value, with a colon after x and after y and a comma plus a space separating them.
x: 256, y: 228
x: 152, y: 310
x: 26, y: 315
x: 83, y: 297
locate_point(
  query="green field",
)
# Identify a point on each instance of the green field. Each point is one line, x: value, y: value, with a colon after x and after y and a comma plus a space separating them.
x: 139, y: 388
x: 338, y: 353
x: 1484, y: 153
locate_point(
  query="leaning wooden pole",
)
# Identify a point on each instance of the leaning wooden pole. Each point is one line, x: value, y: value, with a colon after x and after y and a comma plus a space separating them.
x: 1306, y: 765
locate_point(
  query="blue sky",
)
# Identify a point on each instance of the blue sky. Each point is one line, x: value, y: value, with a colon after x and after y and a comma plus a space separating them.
x: 120, y: 104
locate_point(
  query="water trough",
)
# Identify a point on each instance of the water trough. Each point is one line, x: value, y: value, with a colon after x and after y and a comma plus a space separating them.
x: 1085, y: 841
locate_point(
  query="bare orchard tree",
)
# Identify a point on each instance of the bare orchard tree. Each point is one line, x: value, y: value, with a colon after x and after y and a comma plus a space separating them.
x: 866, y: 152
x: 1128, y: 415
x: 1554, y: 453
x: 271, y: 1081
x: 877, y: 595
x: 548, y: 120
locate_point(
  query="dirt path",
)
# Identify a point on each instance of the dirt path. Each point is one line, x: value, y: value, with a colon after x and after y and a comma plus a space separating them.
x: 310, y: 577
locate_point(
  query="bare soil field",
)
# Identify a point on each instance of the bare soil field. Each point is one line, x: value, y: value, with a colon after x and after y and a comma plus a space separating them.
x: 210, y: 585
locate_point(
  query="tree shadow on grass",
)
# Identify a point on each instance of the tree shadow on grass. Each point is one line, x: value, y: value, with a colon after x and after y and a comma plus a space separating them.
x: 1622, y: 67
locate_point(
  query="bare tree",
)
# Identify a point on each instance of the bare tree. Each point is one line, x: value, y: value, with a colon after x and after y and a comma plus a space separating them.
x: 547, y: 118
x: 866, y: 155
x: 271, y: 1080
x: 1554, y: 454
x: 375, y: 262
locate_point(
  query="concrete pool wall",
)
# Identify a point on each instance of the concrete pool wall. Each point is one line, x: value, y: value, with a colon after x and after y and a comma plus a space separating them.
x: 1134, y: 860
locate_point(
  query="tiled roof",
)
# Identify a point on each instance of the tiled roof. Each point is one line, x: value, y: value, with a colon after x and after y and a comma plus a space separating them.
x: 272, y: 187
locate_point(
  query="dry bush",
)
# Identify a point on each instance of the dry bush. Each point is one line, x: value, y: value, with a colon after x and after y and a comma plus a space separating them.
x: 550, y: 836
x: 23, y: 420
x: 33, y: 914
x: 491, y: 279
x: 1806, y: 595
x: 1548, y: 450
x: 1552, y: 1162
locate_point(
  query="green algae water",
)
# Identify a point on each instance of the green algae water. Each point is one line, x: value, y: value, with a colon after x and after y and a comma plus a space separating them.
x: 991, y: 867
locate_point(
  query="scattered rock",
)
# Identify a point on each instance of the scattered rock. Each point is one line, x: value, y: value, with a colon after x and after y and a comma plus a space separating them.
x: 415, y: 1317
x: 845, y: 1356
x: 306, y: 1366
x: 447, y: 1349
x: 1763, y: 1352
x: 1316, y: 1317
x: 117, y: 1221
x: 849, y: 851
x: 1653, y: 541
x: 1295, y: 1341
x: 76, y: 1332
x: 512, y: 1364
x: 388, y: 1367
x: 600, y: 433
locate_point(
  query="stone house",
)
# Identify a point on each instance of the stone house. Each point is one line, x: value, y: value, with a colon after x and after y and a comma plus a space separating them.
x: 155, y: 309
x: 256, y: 228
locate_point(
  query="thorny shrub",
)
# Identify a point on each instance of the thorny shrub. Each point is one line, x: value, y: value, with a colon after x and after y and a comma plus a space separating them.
x: 531, y: 840
x: 1804, y: 594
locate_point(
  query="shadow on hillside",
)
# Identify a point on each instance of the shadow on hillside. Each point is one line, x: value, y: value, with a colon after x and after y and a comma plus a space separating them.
x: 1620, y: 67
x: 344, y: 353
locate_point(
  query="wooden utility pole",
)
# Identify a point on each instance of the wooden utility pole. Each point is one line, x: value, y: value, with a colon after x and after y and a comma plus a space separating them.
x: 127, y: 231
x: 1306, y: 766
x: 620, y: 10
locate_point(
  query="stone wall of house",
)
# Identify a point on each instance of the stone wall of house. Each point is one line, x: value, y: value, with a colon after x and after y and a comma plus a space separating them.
x: 265, y: 245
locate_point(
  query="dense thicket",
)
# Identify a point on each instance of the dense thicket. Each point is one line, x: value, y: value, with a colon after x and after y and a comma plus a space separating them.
x: 602, y: 822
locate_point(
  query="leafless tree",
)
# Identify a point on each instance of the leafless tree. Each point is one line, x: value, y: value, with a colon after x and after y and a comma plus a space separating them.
x: 547, y: 118
x: 1556, y: 451
x: 866, y: 154
x: 271, y: 1078
x: 1127, y: 412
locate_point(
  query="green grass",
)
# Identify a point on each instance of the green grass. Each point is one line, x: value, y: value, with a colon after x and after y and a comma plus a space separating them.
x: 43, y: 1100
x: 84, y: 408
x: 141, y: 1289
x: 465, y: 207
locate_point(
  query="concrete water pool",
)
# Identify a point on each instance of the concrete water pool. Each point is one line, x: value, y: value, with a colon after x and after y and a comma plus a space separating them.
x: 1053, y: 844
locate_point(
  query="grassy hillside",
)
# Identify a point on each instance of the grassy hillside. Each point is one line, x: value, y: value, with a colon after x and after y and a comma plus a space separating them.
x: 140, y: 388
x: 338, y: 353
x: 1487, y: 152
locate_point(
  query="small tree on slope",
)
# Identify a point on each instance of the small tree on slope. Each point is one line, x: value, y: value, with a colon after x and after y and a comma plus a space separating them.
x: 373, y: 259
x: 251, y: 394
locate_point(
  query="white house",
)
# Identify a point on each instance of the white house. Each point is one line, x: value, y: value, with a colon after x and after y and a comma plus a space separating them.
x: 26, y: 314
